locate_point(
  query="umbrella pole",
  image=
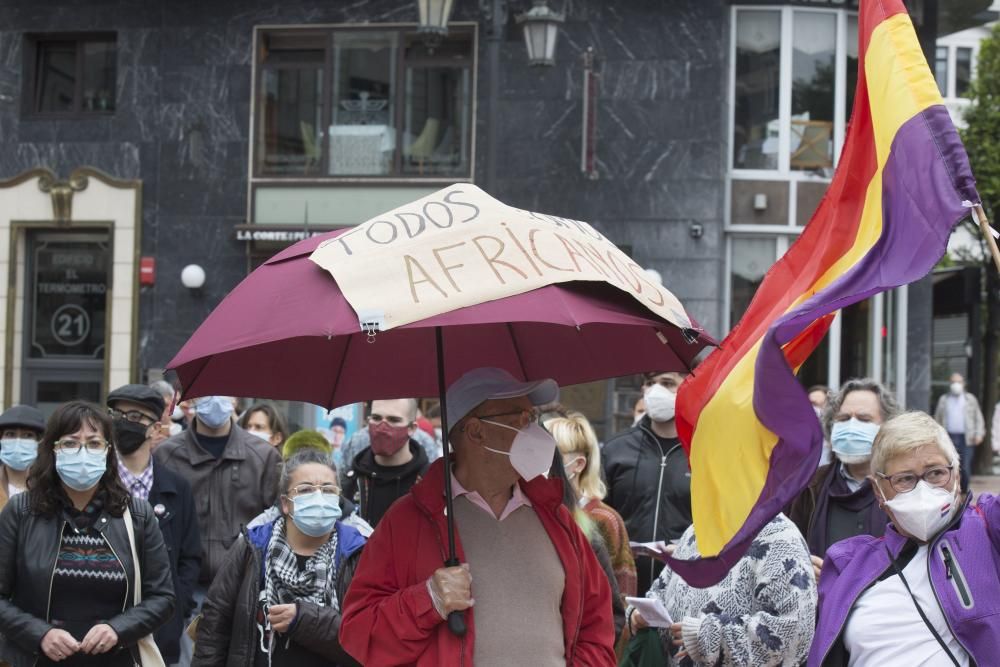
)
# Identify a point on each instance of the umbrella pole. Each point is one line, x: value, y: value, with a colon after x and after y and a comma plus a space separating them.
x: 456, y: 619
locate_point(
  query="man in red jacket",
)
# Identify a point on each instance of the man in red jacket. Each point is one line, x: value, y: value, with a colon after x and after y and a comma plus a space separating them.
x: 529, y: 584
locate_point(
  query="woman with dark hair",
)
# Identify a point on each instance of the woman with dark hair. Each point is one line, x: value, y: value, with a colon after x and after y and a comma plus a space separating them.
x: 67, y: 570
x: 277, y: 599
x: 264, y: 421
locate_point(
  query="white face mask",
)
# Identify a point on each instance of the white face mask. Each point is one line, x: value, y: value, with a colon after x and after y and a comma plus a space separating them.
x: 263, y: 435
x: 924, y: 511
x: 660, y: 403
x: 567, y: 464
x: 532, y: 450
x: 957, y: 388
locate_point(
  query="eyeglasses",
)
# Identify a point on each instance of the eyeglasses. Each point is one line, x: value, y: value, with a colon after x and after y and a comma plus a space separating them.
x: 94, y: 445
x: 904, y: 482
x: 306, y: 489
x: 133, y: 416
x: 526, y: 415
x: 376, y: 418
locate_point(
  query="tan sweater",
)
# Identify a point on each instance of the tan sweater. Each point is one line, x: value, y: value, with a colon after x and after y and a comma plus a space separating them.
x: 517, y: 585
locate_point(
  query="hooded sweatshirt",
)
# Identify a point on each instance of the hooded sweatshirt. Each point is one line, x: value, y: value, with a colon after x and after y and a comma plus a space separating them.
x: 375, y: 487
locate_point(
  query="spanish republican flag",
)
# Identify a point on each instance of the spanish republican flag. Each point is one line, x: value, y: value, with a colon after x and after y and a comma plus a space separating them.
x: 902, y: 184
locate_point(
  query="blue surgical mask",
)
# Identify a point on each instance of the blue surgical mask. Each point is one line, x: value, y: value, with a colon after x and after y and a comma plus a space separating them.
x: 82, y: 469
x: 852, y: 440
x: 316, y: 513
x: 18, y: 453
x: 214, y: 411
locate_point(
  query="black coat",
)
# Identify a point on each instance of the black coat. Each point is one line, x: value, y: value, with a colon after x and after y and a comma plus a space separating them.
x: 650, y: 486
x: 29, y: 544
x: 376, y: 487
x: 173, y: 506
x: 227, y: 632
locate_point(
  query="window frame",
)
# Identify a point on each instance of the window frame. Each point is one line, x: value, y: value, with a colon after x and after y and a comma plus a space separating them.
x: 29, y: 86
x: 785, y: 57
x: 257, y: 177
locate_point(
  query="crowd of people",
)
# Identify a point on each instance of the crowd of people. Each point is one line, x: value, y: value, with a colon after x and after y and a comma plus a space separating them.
x: 144, y: 532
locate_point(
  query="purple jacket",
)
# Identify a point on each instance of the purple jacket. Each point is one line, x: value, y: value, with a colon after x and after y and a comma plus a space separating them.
x: 964, y: 564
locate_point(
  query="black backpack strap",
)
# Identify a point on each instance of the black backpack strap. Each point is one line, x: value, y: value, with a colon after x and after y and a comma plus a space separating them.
x: 920, y: 611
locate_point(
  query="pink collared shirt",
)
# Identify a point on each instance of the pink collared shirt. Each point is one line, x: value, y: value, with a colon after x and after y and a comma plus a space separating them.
x: 517, y: 499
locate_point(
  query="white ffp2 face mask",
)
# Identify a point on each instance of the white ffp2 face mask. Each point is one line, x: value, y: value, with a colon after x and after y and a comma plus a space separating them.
x: 924, y: 511
x: 532, y: 450
x: 661, y: 403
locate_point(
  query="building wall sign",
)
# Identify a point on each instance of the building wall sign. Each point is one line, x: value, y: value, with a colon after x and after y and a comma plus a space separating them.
x: 70, y: 299
x: 277, y: 235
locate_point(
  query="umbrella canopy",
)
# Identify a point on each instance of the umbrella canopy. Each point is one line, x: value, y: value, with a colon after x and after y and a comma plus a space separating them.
x: 287, y: 332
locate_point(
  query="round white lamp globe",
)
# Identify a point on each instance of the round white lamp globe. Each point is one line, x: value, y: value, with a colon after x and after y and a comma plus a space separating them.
x: 654, y: 276
x: 193, y: 276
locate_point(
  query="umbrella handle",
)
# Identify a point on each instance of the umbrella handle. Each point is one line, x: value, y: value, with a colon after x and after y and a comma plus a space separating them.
x: 456, y: 623
x: 456, y: 619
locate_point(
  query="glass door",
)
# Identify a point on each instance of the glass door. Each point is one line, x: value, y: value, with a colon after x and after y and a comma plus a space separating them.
x: 65, y: 318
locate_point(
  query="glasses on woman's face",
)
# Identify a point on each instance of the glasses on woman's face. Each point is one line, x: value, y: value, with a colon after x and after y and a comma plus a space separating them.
x: 306, y: 489
x: 72, y: 445
x: 904, y: 482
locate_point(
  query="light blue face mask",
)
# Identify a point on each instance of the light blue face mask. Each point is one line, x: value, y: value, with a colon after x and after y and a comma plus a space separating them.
x: 853, y: 439
x: 214, y: 411
x: 315, y: 514
x: 82, y: 469
x: 18, y: 453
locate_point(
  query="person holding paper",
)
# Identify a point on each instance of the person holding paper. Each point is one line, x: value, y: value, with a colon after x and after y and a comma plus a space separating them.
x: 762, y: 613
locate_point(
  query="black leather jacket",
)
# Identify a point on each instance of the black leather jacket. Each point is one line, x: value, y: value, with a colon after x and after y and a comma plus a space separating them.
x: 29, y: 544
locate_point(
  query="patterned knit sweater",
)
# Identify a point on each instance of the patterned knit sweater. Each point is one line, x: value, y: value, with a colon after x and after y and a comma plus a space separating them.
x: 611, y: 526
x: 762, y: 613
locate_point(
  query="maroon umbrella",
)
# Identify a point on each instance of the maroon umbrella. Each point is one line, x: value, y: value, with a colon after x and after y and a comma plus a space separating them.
x: 287, y: 332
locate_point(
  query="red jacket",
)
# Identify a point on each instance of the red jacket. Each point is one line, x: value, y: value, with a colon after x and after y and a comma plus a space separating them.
x: 389, y: 618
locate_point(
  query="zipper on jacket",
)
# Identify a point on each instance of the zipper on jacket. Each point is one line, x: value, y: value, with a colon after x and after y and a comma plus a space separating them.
x: 937, y: 599
x: 954, y: 573
x: 52, y: 578
x: 128, y: 589
x: 656, y: 512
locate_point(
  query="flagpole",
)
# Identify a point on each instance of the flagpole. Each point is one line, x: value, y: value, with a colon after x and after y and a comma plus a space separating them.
x: 984, y: 226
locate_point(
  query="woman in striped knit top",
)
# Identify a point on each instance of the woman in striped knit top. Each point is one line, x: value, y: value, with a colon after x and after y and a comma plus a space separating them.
x: 67, y: 572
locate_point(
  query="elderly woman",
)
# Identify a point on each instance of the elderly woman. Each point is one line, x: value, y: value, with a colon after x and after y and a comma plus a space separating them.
x: 762, y: 613
x: 277, y: 600
x: 927, y: 593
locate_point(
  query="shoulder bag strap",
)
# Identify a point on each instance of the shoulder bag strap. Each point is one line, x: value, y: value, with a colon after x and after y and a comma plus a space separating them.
x: 130, y: 529
x: 920, y: 611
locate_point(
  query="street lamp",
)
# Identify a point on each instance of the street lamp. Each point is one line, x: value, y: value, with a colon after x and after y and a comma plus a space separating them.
x: 541, y: 28
x: 434, y: 15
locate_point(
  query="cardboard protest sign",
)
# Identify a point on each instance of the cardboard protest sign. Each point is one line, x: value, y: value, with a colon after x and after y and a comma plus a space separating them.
x: 458, y: 247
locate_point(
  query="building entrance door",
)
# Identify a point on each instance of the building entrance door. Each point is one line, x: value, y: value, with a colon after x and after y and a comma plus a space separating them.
x: 65, y: 318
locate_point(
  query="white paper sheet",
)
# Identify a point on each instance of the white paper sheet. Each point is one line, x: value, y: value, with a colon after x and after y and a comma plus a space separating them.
x: 653, y: 611
x: 655, y: 550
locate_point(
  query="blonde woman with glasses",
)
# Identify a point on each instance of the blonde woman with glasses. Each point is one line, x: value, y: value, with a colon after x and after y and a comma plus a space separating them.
x: 582, y: 460
x: 927, y: 593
